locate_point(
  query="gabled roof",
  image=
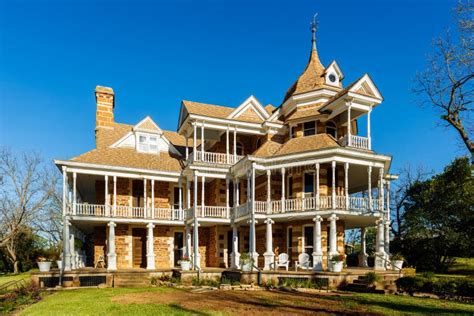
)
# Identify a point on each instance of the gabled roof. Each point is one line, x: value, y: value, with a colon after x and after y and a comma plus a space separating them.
x: 206, y: 109
x: 147, y: 124
x: 304, y: 112
x: 251, y: 109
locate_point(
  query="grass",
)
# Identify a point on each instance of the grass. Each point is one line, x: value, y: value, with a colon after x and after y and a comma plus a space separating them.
x: 5, y: 278
x: 99, y: 302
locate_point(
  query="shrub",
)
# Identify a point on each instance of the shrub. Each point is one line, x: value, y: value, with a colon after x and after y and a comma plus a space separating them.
x: 410, y: 284
x: 205, y: 282
x: 372, y: 278
x: 466, y: 288
x: 445, y: 287
x: 24, y: 295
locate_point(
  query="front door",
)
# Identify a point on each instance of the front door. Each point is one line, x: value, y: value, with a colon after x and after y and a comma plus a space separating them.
x: 308, y: 242
x: 139, y: 247
x: 178, y: 247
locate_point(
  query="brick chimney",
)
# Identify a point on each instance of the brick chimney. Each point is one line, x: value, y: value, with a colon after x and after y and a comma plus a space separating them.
x: 104, y: 98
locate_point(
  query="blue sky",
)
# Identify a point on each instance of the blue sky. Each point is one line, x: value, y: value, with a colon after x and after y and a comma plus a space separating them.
x: 154, y: 54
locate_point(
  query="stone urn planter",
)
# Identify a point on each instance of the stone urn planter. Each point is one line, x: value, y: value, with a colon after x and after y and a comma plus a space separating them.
x: 44, y: 266
x: 397, y: 264
x: 336, y: 266
x: 185, y: 265
x: 247, y: 266
x: 59, y: 263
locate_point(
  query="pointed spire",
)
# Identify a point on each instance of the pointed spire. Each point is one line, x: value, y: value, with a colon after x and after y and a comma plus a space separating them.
x: 314, y: 27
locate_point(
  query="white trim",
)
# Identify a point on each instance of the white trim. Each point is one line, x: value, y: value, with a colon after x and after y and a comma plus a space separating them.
x: 147, y: 118
x: 250, y: 102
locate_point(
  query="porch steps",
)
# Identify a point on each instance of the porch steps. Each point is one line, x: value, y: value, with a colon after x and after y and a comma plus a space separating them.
x: 385, y: 286
x: 131, y: 280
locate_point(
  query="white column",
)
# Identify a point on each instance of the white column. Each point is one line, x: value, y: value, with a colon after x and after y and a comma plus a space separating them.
x: 202, y: 141
x: 235, y: 256
x: 188, y: 194
x: 115, y: 196
x: 187, y: 150
x: 66, y: 249
x: 106, y: 198
x: 64, y: 190
x: 197, y: 256
x: 227, y: 143
x: 318, y: 250
x: 150, y: 252
x: 333, y: 235
x: 369, y: 186
x: 72, y: 251
x: 381, y: 191
x: 349, y: 138
x: 145, y: 208
x: 387, y: 218
x: 253, y: 240
x: 203, y: 197
x: 237, y: 192
x: 227, y: 202
x: 283, y: 190
x: 111, y: 255
x: 152, y: 198
x: 363, y: 250
x: 387, y: 237
x: 317, y: 187
x: 180, y: 197
x: 369, y: 137
x: 188, y: 241
x: 346, y: 183
x: 379, y: 246
x: 235, y: 143
x: 269, y: 254
x: 269, y: 192
x: 194, y: 139
x: 333, y: 164
x: 74, y: 193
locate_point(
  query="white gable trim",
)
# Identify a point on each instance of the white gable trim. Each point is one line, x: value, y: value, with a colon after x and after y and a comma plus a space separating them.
x: 149, y: 119
x: 366, y: 78
x: 250, y: 102
x: 337, y: 69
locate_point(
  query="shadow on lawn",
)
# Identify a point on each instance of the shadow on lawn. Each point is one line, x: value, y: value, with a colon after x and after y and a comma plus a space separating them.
x: 181, y: 309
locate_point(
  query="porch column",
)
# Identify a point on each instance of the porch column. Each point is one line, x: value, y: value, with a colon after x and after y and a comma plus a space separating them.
x: 188, y: 194
x: 381, y: 192
x: 188, y: 241
x: 72, y: 250
x: 269, y: 254
x: 237, y: 192
x: 64, y: 190
x: 111, y: 255
x: 333, y: 164
x: 379, y: 246
x: 363, y: 250
x: 269, y: 191
x: 203, y: 197
x: 346, y: 183
x: 317, y: 187
x: 202, y: 141
x: 282, y: 190
x: 66, y: 249
x: 180, y: 197
x: 369, y: 186
x: 227, y: 144
x: 387, y: 237
x: 74, y: 193
x: 369, y: 138
x: 227, y: 202
x: 106, y: 198
x: 253, y: 241
x: 144, y: 199
x: 332, y: 236
x: 235, y: 256
x: 235, y: 143
x: 150, y: 252
x: 194, y: 139
x: 152, y: 198
x: 349, y: 138
x: 187, y: 150
x: 387, y: 218
x: 197, y: 256
x: 114, y: 211
x: 318, y: 250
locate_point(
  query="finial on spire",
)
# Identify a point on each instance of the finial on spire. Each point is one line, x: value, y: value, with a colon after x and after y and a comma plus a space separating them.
x: 314, y: 26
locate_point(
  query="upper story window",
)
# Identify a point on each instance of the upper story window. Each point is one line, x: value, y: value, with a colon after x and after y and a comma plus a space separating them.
x: 331, y: 129
x: 293, y: 132
x: 147, y: 143
x: 309, y: 128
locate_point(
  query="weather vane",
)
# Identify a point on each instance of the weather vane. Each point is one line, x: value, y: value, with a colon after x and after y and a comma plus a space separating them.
x: 314, y: 26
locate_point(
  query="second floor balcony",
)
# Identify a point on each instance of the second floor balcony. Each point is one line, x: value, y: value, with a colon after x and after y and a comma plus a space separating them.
x: 355, y: 141
x: 213, y: 158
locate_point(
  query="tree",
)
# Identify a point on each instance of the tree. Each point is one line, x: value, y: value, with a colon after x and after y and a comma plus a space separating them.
x: 439, y: 218
x: 447, y: 83
x: 23, y: 195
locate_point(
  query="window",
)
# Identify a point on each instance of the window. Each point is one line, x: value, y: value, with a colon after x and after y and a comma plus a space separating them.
x: 147, y: 143
x: 176, y: 198
x: 331, y: 129
x: 290, y: 187
x: 137, y: 193
x: 309, y: 128
x: 308, y: 184
x: 293, y: 132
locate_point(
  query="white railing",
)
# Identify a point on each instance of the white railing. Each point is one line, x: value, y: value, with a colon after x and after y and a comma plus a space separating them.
x: 123, y: 211
x: 358, y: 203
x: 89, y: 209
x: 213, y: 212
x: 261, y: 207
x: 276, y: 207
x: 355, y: 141
x: 213, y: 158
x: 325, y: 202
x: 241, y: 210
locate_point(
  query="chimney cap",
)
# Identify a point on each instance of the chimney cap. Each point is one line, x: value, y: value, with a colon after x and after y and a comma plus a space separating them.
x: 102, y: 89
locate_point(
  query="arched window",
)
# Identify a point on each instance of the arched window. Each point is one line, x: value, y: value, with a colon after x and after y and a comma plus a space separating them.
x: 331, y: 129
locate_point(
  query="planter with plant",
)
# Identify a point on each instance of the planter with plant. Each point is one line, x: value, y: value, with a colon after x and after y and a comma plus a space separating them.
x: 185, y: 263
x: 336, y: 263
x: 44, y: 264
x: 246, y: 262
x: 397, y: 261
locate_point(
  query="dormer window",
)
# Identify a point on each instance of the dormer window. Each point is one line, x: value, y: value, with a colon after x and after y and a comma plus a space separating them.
x: 331, y: 129
x: 309, y: 128
x: 147, y: 143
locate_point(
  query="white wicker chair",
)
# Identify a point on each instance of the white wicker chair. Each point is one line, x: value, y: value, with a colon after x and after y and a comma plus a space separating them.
x: 282, y: 261
x: 302, y: 262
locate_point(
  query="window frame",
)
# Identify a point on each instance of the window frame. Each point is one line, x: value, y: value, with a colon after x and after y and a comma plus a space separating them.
x: 313, y: 129
x: 331, y: 127
x: 151, y: 140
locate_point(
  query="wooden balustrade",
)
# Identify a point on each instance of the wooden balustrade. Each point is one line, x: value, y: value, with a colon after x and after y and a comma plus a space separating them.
x: 355, y: 141
x: 213, y: 158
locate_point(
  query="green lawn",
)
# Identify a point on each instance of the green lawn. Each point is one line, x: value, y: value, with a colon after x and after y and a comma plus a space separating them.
x: 146, y: 301
x: 4, y: 278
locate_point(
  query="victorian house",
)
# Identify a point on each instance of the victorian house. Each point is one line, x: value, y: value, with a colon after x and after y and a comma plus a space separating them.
x: 252, y: 178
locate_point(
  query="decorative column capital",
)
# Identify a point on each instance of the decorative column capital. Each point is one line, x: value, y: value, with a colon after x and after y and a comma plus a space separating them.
x: 111, y: 224
x: 346, y: 166
x: 317, y: 166
x: 318, y: 218
x: 150, y: 226
x: 269, y: 172
x: 283, y: 170
x: 333, y: 217
x: 269, y: 221
x: 333, y: 163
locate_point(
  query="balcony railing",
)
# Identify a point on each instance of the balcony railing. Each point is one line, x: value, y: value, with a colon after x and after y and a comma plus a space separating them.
x: 355, y: 141
x: 213, y: 158
x: 356, y: 204
x: 209, y: 212
x: 121, y: 211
